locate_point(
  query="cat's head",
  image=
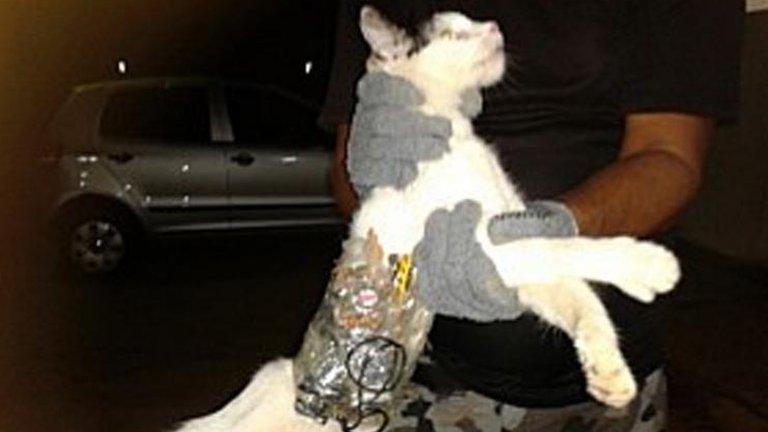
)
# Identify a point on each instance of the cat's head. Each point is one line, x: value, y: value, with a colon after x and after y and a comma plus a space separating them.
x: 450, y: 51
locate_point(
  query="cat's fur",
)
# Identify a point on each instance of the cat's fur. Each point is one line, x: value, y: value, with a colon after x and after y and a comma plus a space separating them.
x: 550, y: 274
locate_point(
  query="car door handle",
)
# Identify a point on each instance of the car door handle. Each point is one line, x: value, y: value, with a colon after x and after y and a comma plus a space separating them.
x: 243, y: 159
x: 120, y: 158
x: 289, y: 160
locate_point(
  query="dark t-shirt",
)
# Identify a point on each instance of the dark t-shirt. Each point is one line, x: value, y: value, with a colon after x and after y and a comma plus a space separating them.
x: 580, y: 67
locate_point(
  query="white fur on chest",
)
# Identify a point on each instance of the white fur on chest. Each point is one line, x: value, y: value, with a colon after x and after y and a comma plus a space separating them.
x: 469, y: 170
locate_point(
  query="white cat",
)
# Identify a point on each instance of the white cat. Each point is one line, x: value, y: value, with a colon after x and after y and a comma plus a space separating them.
x: 550, y: 274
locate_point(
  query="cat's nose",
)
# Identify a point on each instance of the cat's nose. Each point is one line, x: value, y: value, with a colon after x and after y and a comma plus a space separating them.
x: 493, y: 27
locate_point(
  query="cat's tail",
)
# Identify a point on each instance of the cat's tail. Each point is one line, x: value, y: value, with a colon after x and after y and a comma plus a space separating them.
x: 265, y: 405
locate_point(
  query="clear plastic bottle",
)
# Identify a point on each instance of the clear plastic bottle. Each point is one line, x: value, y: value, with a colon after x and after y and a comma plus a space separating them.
x: 361, y: 348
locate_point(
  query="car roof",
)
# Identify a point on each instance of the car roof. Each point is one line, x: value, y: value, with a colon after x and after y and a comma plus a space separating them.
x: 149, y: 82
x: 145, y: 82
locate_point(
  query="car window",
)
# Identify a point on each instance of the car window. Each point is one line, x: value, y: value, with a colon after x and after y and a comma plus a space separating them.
x: 164, y: 114
x: 263, y: 118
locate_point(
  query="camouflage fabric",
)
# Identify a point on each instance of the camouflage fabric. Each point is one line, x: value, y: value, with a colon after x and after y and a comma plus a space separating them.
x: 466, y: 411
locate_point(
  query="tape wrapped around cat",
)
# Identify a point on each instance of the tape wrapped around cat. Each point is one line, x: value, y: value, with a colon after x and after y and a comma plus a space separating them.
x: 361, y: 347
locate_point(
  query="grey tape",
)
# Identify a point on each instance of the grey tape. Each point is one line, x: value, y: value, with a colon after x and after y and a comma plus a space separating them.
x: 455, y: 276
x: 380, y: 88
x: 390, y: 136
x: 540, y: 219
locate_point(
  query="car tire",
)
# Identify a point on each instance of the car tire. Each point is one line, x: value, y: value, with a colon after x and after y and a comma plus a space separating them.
x: 98, y: 241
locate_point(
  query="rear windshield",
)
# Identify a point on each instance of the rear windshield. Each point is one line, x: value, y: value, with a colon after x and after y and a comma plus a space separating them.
x: 157, y: 114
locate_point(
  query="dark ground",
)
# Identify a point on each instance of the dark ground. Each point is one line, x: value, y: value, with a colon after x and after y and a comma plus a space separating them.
x: 182, y: 333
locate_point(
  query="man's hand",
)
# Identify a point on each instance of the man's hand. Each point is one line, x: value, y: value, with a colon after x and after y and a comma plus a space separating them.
x: 456, y: 278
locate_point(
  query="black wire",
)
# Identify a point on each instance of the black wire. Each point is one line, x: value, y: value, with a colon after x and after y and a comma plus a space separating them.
x: 376, y: 343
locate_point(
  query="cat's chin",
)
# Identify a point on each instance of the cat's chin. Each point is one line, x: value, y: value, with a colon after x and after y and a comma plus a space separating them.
x: 493, y: 71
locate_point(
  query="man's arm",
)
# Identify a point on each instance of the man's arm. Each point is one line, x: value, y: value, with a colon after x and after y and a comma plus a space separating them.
x: 343, y: 193
x: 657, y: 174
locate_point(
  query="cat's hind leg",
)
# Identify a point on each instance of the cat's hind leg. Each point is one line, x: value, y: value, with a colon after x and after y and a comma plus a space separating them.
x: 571, y: 305
x: 266, y: 404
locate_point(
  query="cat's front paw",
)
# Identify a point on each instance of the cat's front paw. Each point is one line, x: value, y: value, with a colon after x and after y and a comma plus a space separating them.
x: 609, y: 379
x: 642, y: 269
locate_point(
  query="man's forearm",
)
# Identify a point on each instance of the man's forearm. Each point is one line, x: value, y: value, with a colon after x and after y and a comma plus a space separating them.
x: 638, y: 196
x: 343, y: 193
x: 657, y: 175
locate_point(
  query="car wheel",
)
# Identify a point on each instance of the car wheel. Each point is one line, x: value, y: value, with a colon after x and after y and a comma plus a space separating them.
x: 99, y: 243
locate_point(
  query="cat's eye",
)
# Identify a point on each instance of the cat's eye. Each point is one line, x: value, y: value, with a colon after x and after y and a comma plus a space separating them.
x: 463, y: 35
x: 450, y: 34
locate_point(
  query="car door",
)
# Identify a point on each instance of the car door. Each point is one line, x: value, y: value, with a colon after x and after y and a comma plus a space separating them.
x: 278, y: 162
x: 157, y: 141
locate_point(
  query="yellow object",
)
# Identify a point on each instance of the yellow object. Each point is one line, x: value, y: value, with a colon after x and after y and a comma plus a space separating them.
x: 403, y: 275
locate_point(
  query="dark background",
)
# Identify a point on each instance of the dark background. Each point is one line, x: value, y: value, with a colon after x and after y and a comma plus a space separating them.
x: 181, y: 334
x: 81, y: 355
x: 48, y: 46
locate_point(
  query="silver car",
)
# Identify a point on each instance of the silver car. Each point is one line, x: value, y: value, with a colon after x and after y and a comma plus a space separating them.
x: 156, y: 156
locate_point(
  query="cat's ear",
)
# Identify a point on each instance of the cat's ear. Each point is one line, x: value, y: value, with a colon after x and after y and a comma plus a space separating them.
x: 386, y: 40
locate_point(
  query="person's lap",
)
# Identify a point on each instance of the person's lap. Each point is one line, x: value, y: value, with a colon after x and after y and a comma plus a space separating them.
x: 423, y: 410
